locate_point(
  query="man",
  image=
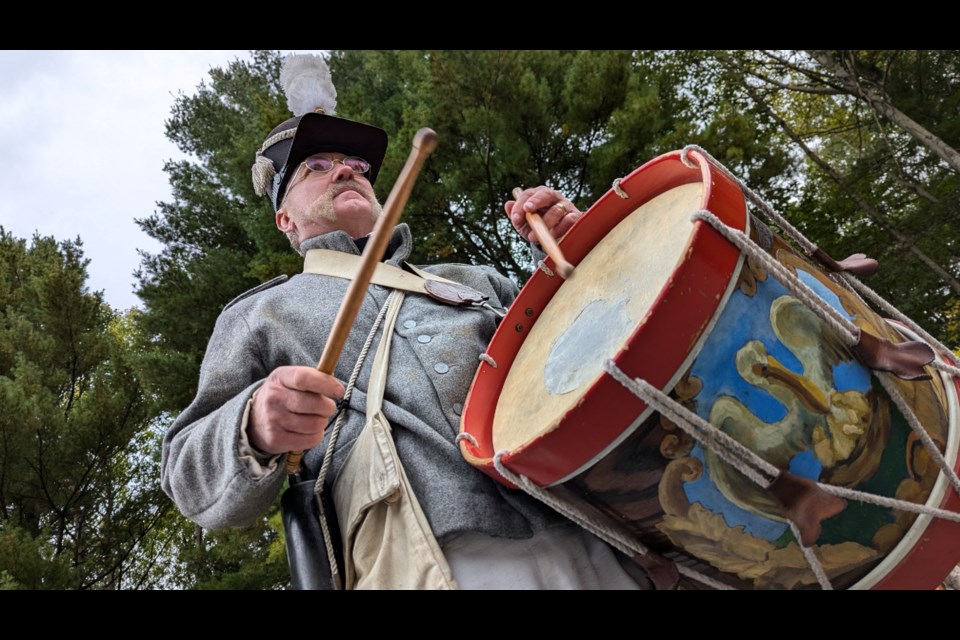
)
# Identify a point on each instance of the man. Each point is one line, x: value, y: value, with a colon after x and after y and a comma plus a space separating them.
x: 260, y: 395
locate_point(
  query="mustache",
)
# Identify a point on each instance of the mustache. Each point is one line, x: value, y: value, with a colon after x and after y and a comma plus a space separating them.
x: 350, y: 185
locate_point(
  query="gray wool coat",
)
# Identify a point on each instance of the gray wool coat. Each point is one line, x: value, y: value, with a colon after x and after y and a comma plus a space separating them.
x: 433, y: 359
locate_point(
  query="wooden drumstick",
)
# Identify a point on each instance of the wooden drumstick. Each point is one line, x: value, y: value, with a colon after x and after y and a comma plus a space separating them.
x: 424, y: 142
x: 546, y: 239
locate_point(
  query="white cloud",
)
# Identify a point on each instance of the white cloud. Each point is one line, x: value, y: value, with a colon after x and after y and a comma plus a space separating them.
x: 83, y: 142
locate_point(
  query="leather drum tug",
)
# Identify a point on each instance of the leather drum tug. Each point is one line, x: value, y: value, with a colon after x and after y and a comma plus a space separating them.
x: 664, y: 297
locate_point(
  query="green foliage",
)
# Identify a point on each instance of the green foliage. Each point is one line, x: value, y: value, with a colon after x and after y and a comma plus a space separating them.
x: 872, y: 183
x: 219, y: 240
x: 31, y: 563
x: 503, y: 119
x: 75, y: 500
x: 253, y: 558
x: 573, y: 120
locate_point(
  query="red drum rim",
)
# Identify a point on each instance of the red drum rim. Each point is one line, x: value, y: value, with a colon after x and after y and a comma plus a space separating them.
x: 931, y: 547
x: 682, y: 313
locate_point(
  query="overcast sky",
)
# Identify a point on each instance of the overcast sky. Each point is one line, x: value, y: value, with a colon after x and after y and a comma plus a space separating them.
x: 82, y: 134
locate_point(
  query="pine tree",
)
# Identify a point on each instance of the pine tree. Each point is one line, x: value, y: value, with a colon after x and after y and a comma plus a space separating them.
x: 77, y: 481
x: 877, y: 141
x: 573, y: 120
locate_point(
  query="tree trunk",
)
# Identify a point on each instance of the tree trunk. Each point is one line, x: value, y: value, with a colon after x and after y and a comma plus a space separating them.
x: 874, y: 97
x: 867, y: 208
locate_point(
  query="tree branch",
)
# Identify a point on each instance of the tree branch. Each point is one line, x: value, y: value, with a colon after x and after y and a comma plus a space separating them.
x: 809, y: 73
x: 871, y: 212
x: 827, y: 91
x: 873, y: 97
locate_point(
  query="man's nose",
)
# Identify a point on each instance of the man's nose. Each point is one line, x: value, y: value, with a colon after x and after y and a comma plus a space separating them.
x: 341, y: 172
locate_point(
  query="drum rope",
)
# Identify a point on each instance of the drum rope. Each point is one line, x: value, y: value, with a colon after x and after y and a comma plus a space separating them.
x: 918, y: 429
x: 946, y: 368
x: 681, y: 415
x: 318, y: 487
x: 842, y: 325
x: 463, y: 435
x: 617, y: 189
x: 890, y: 503
x: 626, y: 545
x: 782, y: 222
x: 899, y: 315
x: 609, y: 535
x: 812, y: 560
x: 812, y: 248
x: 846, y: 329
x: 854, y: 282
x: 684, y: 418
x: 693, y: 424
x: 732, y: 451
x: 486, y: 357
x: 543, y: 267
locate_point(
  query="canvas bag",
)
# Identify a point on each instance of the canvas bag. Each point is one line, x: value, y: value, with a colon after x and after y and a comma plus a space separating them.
x: 387, y: 540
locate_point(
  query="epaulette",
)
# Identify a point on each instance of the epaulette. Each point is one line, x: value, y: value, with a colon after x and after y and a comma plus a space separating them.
x: 255, y: 290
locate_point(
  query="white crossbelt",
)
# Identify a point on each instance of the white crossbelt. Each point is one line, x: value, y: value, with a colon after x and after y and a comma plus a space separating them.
x: 344, y: 265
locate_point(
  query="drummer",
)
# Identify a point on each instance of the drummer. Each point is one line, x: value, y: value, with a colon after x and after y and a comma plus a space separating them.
x: 260, y: 395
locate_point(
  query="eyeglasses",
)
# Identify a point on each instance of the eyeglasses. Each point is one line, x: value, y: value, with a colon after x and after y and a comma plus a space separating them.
x: 322, y: 164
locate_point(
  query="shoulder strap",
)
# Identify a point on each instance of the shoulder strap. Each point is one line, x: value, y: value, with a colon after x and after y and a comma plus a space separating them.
x: 343, y: 265
x: 378, y: 373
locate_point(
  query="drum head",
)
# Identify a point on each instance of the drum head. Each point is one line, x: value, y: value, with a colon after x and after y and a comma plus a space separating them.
x: 647, y: 284
x: 593, y: 316
x: 672, y: 302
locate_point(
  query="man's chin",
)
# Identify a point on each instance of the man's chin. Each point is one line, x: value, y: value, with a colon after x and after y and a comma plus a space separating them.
x: 355, y: 204
x: 351, y: 194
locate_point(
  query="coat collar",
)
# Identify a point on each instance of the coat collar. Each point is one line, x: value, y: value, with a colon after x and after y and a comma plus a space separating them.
x: 398, y: 250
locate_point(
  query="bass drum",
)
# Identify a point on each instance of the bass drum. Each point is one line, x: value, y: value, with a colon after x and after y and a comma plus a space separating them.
x: 669, y: 300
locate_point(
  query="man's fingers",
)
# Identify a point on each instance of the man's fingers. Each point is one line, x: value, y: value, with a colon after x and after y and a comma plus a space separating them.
x: 558, y: 212
x: 299, y: 433
x: 565, y: 223
x: 292, y: 408
x: 517, y: 218
x: 554, y: 214
x: 540, y: 199
x: 307, y: 379
x: 300, y: 403
x: 299, y: 424
x: 275, y: 428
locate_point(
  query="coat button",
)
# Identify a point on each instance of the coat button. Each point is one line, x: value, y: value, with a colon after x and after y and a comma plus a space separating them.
x: 409, y: 324
x: 441, y: 368
x: 424, y: 339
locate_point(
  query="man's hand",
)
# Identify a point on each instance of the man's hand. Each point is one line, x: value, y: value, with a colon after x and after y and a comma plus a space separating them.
x: 558, y: 213
x: 292, y: 408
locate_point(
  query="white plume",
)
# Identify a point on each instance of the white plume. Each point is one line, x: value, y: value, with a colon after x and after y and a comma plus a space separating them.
x: 306, y: 81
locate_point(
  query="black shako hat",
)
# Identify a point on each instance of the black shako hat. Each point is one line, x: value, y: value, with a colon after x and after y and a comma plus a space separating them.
x: 306, y: 81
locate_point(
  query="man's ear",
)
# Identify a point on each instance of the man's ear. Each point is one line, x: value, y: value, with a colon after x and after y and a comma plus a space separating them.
x: 284, y: 223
